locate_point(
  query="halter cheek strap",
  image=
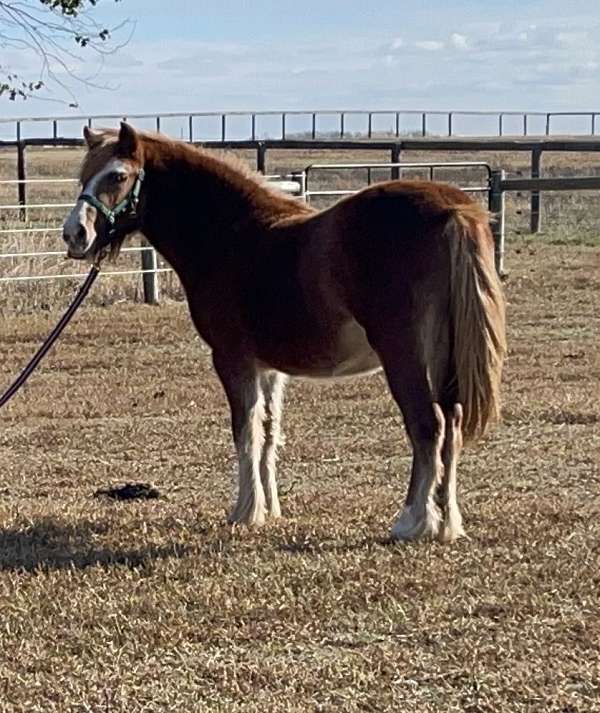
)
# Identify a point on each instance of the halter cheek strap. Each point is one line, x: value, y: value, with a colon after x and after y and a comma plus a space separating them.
x: 129, y: 203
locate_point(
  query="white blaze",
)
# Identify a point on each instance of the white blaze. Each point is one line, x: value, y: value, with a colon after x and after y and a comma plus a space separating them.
x: 83, y: 214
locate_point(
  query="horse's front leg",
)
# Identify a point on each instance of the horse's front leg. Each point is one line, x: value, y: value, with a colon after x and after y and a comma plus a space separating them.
x: 273, y: 386
x: 246, y: 401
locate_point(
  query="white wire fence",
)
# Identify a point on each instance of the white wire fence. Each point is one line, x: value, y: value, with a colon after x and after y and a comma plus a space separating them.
x: 31, y: 246
x: 32, y: 250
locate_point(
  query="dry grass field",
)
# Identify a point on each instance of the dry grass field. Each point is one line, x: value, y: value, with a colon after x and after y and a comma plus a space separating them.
x: 159, y: 606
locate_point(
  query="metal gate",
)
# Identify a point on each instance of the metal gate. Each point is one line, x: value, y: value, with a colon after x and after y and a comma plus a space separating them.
x: 488, y: 184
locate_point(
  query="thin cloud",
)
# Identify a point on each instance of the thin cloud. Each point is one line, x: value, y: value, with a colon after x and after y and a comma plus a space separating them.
x: 458, y: 41
x: 572, y: 39
x: 429, y: 45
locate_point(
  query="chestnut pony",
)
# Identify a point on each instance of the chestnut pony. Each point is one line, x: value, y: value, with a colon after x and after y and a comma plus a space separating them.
x: 399, y: 276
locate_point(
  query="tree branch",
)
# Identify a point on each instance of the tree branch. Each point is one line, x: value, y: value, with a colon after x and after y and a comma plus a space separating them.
x: 56, y: 31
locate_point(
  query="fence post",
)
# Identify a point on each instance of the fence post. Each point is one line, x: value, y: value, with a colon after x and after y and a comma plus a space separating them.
x: 261, y: 157
x: 300, y: 178
x: 395, y: 158
x: 149, y: 276
x: 496, y: 206
x: 536, y: 196
x: 22, y: 176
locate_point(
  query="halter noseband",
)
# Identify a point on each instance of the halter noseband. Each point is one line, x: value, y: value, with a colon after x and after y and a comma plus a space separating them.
x: 129, y: 203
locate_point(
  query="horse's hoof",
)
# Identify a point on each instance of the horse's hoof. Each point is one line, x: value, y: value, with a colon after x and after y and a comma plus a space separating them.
x: 411, y: 527
x: 451, y: 529
x: 273, y: 510
x: 253, y: 517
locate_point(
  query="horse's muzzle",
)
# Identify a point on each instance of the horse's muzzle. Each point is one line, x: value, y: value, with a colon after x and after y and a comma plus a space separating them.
x: 78, y: 245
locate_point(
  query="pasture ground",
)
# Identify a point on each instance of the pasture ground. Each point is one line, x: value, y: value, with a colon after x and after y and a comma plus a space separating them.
x: 160, y: 606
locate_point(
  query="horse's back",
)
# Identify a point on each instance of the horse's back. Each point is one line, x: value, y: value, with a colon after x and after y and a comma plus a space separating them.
x: 406, y: 210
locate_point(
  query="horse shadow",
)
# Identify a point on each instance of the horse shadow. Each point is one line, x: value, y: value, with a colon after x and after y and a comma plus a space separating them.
x: 49, y: 544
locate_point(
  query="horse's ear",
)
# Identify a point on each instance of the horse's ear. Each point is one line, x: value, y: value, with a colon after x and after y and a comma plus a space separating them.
x: 93, y: 137
x: 129, y: 143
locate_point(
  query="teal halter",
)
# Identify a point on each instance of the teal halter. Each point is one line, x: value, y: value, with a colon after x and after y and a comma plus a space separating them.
x: 129, y: 203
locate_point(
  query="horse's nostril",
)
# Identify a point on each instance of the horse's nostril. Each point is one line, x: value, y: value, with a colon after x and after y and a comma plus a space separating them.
x: 75, y: 237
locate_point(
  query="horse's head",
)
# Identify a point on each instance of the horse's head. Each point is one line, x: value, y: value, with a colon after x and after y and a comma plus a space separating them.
x: 111, y: 178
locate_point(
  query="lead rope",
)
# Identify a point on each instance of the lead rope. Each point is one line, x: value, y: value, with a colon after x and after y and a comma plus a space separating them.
x: 54, y: 334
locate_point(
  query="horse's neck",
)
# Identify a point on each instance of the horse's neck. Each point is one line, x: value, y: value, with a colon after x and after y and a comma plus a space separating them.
x: 192, y: 213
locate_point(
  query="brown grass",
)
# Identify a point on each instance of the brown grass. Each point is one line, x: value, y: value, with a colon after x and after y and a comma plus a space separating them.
x: 159, y: 606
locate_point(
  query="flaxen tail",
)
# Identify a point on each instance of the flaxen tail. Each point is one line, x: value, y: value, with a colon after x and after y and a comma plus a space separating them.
x: 478, y: 318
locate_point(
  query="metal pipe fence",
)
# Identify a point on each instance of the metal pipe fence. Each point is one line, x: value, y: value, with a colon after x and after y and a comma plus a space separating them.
x: 395, y: 170
x: 338, y: 123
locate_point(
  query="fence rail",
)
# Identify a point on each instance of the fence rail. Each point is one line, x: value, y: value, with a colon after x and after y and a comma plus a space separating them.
x: 342, y: 119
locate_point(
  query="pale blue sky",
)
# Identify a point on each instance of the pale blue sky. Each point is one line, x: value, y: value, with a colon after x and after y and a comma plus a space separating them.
x: 380, y: 54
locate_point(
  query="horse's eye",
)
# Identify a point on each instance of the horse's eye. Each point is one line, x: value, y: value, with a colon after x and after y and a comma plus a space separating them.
x: 118, y: 177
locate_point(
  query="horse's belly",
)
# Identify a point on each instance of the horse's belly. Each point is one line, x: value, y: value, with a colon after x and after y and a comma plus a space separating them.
x: 347, y: 354
x: 364, y: 361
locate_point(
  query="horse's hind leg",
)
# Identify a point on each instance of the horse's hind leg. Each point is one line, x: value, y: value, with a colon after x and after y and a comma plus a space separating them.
x: 420, y: 516
x: 273, y: 386
x: 425, y: 424
x: 246, y: 401
x: 452, y: 527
